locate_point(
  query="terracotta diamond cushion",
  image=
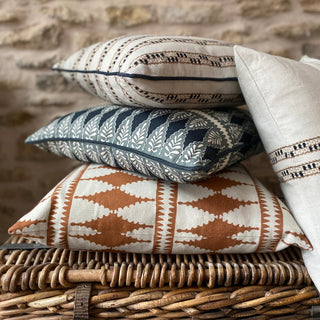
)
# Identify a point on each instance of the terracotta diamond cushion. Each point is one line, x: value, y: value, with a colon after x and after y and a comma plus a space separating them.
x: 97, y: 207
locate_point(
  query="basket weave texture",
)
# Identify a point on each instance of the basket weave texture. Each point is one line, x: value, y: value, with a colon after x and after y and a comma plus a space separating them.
x: 50, y: 283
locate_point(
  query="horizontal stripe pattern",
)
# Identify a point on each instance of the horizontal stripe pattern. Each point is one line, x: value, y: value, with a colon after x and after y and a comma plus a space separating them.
x: 299, y: 171
x: 294, y: 150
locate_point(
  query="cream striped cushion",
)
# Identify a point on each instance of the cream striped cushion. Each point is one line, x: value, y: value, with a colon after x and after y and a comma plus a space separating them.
x: 157, y: 71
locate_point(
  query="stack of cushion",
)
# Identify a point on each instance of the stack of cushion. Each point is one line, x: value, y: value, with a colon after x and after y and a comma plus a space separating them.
x: 162, y: 172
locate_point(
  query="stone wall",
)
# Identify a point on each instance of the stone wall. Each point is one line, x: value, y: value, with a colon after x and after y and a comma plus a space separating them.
x: 36, y: 33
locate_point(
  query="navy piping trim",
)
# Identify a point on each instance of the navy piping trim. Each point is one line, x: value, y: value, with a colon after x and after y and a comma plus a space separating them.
x: 146, y: 77
x: 165, y: 162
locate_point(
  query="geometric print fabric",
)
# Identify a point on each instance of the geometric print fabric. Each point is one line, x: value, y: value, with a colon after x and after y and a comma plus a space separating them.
x: 171, y: 144
x: 157, y: 71
x: 97, y: 207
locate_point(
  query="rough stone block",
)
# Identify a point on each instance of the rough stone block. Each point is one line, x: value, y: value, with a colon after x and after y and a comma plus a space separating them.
x: 44, y: 100
x: 286, y: 53
x: 293, y: 31
x: 86, y: 39
x: 312, y: 6
x: 239, y: 36
x: 15, y: 118
x: 262, y: 8
x: 192, y: 14
x: 9, y: 16
x: 38, y: 36
x: 130, y: 15
x: 10, y: 84
x: 66, y: 14
x: 34, y: 63
x: 54, y: 82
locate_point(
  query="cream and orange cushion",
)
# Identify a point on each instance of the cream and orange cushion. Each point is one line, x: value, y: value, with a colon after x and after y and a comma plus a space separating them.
x: 98, y: 207
x: 157, y: 71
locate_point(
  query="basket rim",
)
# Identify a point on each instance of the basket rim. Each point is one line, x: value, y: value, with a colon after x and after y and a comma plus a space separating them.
x: 32, y: 268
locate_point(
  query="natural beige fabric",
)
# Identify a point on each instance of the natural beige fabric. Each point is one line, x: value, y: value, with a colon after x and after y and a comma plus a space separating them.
x: 283, y: 97
x: 311, y: 61
x: 157, y: 71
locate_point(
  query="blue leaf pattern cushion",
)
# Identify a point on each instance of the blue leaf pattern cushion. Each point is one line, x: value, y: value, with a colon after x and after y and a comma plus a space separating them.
x: 171, y: 144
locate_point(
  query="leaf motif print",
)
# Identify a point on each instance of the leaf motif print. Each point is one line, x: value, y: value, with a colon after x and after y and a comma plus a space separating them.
x: 52, y: 146
x: 235, y: 134
x: 91, y: 134
x: 155, y: 141
x: 91, y: 129
x: 138, y: 163
x: 92, y: 153
x: 49, y: 130
x: 107, y: 131
x: 36, y: 136
x: 63, y: 128
x: 155, y: 169
x: 189, y: 176
x: 76, y: 129
x: 215, y: 138
x: 106, y: 156
x: 222, y: 117
x: 192, y: 153
x: 174, y: 145
x: 122, y: 160
x: 65, y: 148
x: 139, y: 137
x: 173, y: 175
x: 78, y: 151
x: 64, y: 132
x: 158, y: 112
x: 199, y: 123
x: 180, y: 115
x: 217, y: 166
x: 123, y: 133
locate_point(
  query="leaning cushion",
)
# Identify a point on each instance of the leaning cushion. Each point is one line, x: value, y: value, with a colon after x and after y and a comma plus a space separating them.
x: 98, y: 207
x: 170, y: 144
x: 157, y: 71
x: 284, y: 98
x: 311, y: 61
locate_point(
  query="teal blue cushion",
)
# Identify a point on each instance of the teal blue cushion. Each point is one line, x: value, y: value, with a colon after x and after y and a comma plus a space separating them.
x: 171, y: 144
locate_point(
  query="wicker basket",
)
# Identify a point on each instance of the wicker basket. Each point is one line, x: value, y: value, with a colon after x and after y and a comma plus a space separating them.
x: 38, y: 282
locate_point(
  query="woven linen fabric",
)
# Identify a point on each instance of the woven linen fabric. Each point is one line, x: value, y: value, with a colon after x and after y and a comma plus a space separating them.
x: 311, y: 61
x: 98, y: 207
x: 157, y: 71
x: 283, y: 97
x: 171, y: 144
